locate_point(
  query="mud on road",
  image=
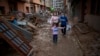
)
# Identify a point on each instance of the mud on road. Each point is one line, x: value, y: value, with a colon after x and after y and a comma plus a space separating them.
x: 43, y: 45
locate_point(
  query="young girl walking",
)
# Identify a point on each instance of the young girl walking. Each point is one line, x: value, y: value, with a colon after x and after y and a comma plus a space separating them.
x: 55, y: 31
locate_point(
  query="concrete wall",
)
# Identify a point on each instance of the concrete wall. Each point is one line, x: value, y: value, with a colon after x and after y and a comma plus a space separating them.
x: 27, y: 5
x: 5, y: 4
x: 48, y: 3
x: 21, y: 7
x: 37, y: 1
x: 93, y: 21
x: 37, y: 8
x: 77, y: 11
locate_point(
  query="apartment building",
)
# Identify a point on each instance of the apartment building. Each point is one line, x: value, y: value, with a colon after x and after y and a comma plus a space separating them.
x: 26, y: 6
x: 57, y: 4
x: 39, y: 5
x: 7, y: 6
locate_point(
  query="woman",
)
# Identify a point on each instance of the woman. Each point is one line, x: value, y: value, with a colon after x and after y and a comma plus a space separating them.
x: 54, y: 19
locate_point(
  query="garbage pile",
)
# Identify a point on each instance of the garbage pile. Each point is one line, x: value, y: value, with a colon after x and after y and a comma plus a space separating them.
x: 27, y: 21
x: 27, y: 24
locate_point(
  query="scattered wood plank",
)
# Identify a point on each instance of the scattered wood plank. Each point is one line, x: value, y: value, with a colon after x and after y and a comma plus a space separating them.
x: 17, y: 41
x: 32, y: 26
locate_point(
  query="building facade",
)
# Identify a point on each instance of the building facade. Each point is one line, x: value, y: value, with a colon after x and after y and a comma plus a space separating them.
x: 40, y: 5
x: 57, y: 4
x: 7, y: 6
x: 26, y: 6
x: 86, y: 11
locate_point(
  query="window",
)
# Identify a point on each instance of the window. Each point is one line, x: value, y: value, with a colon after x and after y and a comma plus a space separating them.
x: 27, y: 9
x: 2, y: 10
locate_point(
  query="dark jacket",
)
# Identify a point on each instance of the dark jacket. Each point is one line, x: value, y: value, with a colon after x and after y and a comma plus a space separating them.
x: 63, y: 20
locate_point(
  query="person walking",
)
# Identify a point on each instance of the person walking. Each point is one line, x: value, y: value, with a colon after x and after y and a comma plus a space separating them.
x: 55, y: 31
x: 54, y: 19
x: 63, y: 23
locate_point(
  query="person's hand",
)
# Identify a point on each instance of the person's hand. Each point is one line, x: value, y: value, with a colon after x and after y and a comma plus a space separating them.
x: 59, y: 23
x: 63, y: 27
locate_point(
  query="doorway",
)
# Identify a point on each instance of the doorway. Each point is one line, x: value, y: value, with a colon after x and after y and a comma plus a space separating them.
x: 2, y: 10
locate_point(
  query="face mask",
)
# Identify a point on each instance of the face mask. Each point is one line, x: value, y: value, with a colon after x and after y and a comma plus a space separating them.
x: 62, y: 15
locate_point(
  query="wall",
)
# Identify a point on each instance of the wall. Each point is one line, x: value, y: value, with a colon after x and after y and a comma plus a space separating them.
x: 27, y: 5
x: 21, y: 7
x: 37, y: 8
x: 93, y: 21
x: 77, y: 11
x: 37, y: 1
x: 48, y: 3
x: 5, y: 4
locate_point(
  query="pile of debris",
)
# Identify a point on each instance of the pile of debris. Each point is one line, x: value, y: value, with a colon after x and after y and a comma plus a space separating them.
x: 89, y: 40
x: 14, y: 38
x: 27, y: 21
x: 21, y: 34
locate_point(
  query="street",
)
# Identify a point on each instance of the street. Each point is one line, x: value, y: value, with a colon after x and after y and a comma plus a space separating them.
x: 44, y: 46
x: 31, y: 27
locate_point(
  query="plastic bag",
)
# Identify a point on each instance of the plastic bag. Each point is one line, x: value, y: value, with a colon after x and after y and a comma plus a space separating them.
x: 68, y: 27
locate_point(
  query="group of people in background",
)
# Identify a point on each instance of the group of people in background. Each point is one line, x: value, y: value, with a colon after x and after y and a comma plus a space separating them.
x: 58, y: 22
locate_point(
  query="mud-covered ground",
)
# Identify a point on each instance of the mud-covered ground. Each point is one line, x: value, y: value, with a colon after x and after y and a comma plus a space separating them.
x: 43, y: 45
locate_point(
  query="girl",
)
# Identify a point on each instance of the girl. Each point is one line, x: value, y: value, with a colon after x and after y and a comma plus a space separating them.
x: 55, y: 30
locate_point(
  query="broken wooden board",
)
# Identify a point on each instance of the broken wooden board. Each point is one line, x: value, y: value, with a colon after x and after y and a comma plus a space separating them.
x: 27, y: 34
x: 31, y: 25
x: 17, y: 41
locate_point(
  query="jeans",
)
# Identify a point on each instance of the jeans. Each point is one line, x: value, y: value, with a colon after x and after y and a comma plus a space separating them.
x: 63, y: 30
x: 55, y: 37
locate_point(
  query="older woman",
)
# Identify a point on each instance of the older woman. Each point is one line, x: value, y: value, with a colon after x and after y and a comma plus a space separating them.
x: 54, y: 19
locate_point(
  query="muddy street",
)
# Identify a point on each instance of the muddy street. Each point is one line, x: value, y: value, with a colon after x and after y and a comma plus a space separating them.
x: 43, y: 44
